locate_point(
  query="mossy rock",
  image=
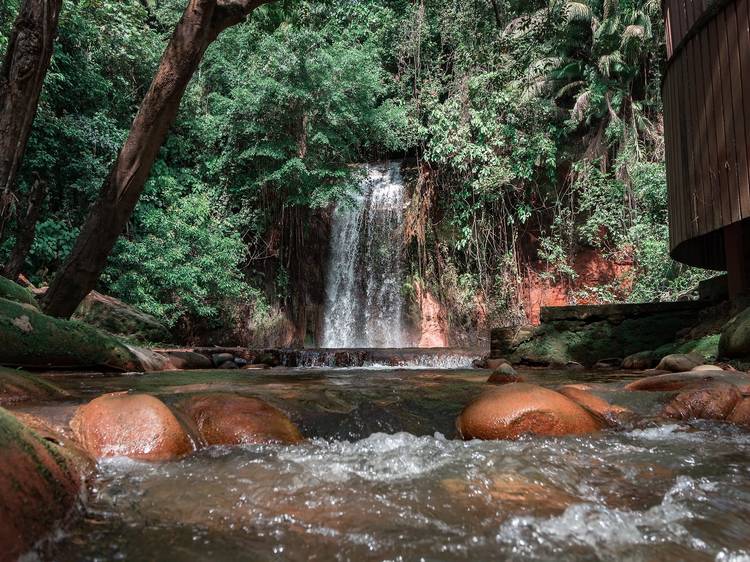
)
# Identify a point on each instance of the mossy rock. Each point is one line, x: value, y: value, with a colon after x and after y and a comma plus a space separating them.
x: 735, y: 336
x: 14, y: 292
x: 40, y: 481
x: 119, y: 318
x: 20, y: 386
x: 560, y: 342
x: 31, y: 339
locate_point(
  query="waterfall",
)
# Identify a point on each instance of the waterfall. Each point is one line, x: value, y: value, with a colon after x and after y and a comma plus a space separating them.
x: 364, y: 276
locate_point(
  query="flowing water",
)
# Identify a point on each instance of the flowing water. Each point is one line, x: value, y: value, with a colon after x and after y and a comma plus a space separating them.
x: 364, y: 305
x: 382, y: 477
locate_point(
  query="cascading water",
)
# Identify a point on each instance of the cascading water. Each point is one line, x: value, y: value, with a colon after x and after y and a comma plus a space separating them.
x: 363, y: 287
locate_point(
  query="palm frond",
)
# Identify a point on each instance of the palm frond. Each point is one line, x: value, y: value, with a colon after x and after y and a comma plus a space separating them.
x: 609, y: 62
x: 578, y: 113
x: 578, y: 11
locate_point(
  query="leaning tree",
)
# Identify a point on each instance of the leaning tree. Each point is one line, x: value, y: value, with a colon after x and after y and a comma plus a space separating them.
x: 23, y: 70
x: 200, y: 25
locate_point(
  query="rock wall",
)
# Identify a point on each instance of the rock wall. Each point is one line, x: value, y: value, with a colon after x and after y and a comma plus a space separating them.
x: 591, y: 270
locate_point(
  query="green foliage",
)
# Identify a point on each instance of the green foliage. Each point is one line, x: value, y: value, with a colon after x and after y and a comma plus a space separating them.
x: 537, y: 126
x: 185, y: 264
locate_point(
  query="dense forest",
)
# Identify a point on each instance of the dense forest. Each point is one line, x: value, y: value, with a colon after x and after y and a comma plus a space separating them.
x: 533, y: 132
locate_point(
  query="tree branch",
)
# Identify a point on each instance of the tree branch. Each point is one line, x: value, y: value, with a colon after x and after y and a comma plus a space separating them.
x: 232, y: 12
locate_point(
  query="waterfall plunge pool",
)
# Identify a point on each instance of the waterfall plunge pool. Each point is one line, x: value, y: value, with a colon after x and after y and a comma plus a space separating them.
x: 382, y: 477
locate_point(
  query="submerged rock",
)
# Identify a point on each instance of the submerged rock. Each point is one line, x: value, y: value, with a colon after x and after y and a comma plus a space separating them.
x: 513, y: 410
x: 592, y: 403
x: 138, y: 426
x: 498, y: 377
x: 40, y: 483
x: 706, y: 401
x: 680, y: 362
x: 670, y: 382
x: 20, y: 386
x: 29, y: 338
x: 228, y: 419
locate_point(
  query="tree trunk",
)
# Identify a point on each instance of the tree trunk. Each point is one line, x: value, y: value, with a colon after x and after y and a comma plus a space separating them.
x: 24, y: 68
x: 26, y: 230
x: 200, y: 24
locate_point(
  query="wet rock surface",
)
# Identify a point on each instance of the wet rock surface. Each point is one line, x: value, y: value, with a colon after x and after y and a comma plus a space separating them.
x: 138, y: 426
x: 705, y: 400
x: 116, y: 317
x: 19, y: 386
x: 29, y: 338
x: 680, y: 362
x: 39, y: 485
x: 517, y: 409
x: 228, y: 419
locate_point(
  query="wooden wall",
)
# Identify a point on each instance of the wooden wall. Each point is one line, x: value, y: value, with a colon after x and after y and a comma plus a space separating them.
x: 706, y: 96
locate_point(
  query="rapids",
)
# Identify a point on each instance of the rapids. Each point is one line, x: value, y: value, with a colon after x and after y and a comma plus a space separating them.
x: 382, y: 477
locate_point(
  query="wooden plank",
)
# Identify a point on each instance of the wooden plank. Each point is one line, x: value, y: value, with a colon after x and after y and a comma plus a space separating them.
x: 716, y: 31
x: 697, y: 147
x: 710, y: 109
x: 743, y: 49
x: 729, y: 165
x: 739, y: 117
x: 671, y: 139
x: 719, y: 149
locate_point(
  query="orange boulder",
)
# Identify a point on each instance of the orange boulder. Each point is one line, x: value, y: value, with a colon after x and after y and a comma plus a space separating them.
x: 591, y: 402
x: 670, y: 382
x: 516, y: 409
x: 741, y: 413
x: 710, y: 401
x: 228, y: 419
x: 139, y: 426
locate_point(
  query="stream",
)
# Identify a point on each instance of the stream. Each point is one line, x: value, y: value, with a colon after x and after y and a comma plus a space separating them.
x: 383, y: 477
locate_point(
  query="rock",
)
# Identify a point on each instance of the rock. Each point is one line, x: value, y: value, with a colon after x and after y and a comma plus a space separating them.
x: 185, y: 360
x: 707, y: 368
x: 240, y: 362
x: 609, y: 363
x: 512, y: 410
x: 574, y: 366
x: 494, y: 363
x: 735, y: 336
x: 29, y: 338
x: 591, y: 402
x: 228, y: 365
x: 741, y: 413
x: 706, y: 401
x: 670, y: 382
x: 228, y: 419
x: 500, y: 378
x: 119, y: 318
x: 20, y: 386
x: 221, y: 358
x: 680, y: 362
x: 12, y: 291
x: 639, y: 361
x: 505, y: 369
x: 39, y: 486
x: 138, y: 426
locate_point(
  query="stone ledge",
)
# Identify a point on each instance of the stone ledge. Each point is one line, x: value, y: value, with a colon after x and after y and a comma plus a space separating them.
x: 618, y: 312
